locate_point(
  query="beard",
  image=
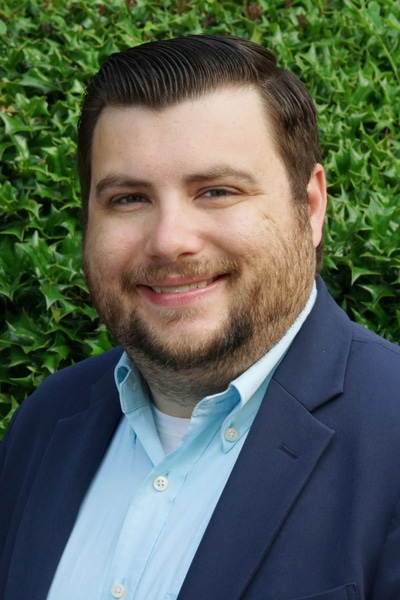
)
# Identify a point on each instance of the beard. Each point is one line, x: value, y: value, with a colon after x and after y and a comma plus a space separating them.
x: 261, y: 309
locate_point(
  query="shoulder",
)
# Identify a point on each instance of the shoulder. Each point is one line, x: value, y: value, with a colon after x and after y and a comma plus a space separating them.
x: 361, y: 335
x: 331, y: 322
x: 89, y: 369
x: 375, y: 359
x: 66, y: 392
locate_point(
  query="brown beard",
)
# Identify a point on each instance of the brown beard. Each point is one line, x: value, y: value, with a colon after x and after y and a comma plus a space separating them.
x: 256, y: 319
x: 193, y: 357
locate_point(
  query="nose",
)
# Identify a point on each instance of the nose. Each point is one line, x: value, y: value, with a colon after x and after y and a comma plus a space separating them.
x: 173, y: 232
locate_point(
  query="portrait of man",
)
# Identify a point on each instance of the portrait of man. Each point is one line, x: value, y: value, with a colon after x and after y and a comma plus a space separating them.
x: 241, y: 439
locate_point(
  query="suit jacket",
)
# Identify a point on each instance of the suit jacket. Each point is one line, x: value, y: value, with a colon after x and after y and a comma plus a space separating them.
x: 310, y: 511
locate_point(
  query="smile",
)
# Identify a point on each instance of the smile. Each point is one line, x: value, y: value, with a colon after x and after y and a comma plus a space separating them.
x: 182, y: 288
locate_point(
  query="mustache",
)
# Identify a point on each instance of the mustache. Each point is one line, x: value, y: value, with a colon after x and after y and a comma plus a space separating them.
x: 194, y: 268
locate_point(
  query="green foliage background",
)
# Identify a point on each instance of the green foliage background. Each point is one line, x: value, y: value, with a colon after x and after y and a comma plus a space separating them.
x: 347, y: 52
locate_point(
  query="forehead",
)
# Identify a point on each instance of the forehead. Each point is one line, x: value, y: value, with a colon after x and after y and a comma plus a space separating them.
x: 231, y: 122
x: 232, y: 107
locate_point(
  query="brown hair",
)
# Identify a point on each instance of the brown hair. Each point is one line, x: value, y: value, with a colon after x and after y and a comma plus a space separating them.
x: 162, y: 73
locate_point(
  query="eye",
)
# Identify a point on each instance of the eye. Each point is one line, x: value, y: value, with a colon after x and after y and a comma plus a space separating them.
x: 127, y: 199
x: 217, y: 193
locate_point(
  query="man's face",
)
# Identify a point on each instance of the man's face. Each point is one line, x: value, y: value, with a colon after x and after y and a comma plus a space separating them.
x: 195, y: 253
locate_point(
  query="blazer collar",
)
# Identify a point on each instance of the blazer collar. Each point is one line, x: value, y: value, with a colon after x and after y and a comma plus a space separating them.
x: 314, y: 368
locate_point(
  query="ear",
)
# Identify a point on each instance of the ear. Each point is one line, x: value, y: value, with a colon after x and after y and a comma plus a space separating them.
x: 316, y: 191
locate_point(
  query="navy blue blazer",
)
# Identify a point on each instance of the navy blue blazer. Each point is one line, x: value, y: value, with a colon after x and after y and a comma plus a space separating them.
x: 310, y: 511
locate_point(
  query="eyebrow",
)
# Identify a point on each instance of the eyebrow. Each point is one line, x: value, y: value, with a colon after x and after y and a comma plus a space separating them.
x: 218, y: 172
x: 118, y: 181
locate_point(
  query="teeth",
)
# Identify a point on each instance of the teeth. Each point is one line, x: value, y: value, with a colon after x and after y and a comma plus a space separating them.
x: 182, y: 288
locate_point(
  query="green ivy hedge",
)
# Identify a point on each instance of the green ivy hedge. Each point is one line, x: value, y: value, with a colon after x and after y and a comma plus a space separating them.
x: 347, y: 52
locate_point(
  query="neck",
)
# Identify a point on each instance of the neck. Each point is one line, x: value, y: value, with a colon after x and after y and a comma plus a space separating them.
x: 176, y: 393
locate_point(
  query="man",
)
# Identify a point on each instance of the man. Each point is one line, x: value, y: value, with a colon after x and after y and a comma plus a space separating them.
x: 245, y: 441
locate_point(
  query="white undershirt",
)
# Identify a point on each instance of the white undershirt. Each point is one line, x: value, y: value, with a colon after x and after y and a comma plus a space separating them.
x: 170, y: 429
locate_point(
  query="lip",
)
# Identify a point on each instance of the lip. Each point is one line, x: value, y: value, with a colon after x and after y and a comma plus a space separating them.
x: 181, y: 287
x: 180, y: 291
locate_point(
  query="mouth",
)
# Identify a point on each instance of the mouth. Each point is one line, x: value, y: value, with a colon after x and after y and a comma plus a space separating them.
x: 174, y: 289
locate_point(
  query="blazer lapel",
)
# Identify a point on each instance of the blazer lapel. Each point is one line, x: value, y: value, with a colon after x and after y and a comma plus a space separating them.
x: 280, y: 454
x: 78, y: 444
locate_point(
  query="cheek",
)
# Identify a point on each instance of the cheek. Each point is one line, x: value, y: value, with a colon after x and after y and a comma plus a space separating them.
x: 110, y: 250
x: 249, y: 236
x: 238, y: 235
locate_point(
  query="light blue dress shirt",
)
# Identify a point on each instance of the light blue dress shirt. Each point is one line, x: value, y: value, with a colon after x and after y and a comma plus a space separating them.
x: 145, y: 512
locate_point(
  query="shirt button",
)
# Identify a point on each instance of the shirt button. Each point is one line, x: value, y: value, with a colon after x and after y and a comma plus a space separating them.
x: 118, y: 590
x: 160, y: 483
x: 231, y: 434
